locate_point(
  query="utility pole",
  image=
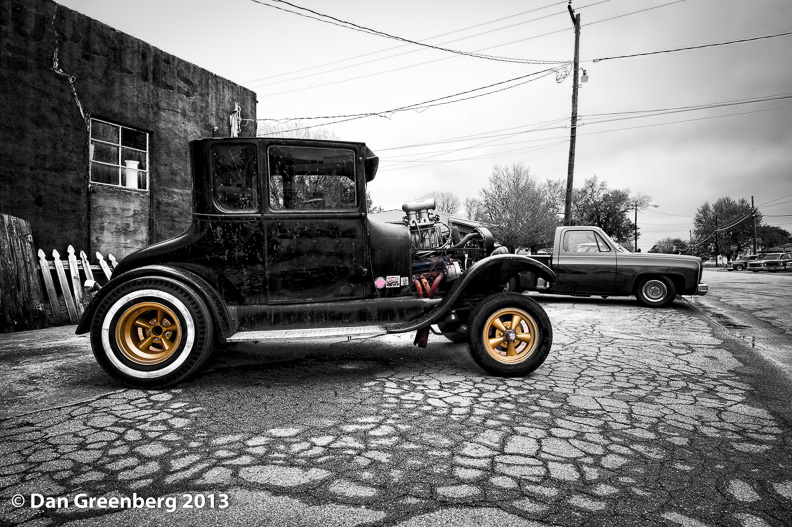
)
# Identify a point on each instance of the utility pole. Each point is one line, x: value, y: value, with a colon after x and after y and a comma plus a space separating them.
x: 753, y: 214
x: 573, y: 131
x: 716, y: 240
x: 636, y: 227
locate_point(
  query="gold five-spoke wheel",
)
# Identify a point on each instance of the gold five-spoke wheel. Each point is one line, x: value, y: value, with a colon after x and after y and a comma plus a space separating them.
x: 510, y: 335
x: 148, y: 333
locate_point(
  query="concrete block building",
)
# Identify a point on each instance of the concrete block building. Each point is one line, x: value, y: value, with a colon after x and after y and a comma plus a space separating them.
x: 94, y: 127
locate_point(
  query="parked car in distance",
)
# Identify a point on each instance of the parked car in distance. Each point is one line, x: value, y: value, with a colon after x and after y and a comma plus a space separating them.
x: 778, y: 264
x: 587, y: 262
x: 741, y: 262
x: 709, y: 263
x: 760, y: 264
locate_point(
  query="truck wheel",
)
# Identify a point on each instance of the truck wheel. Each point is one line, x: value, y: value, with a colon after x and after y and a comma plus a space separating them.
x: 656, y: 291
x: 151, y: 333
x: 738, y: 267
x: 510, y: 334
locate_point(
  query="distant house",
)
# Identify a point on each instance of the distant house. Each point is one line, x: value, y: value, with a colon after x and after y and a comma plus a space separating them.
x: 95, y: 125
x: 787, y: 247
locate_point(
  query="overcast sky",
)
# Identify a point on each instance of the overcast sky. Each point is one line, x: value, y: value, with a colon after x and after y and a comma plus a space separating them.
x: 303, y: 68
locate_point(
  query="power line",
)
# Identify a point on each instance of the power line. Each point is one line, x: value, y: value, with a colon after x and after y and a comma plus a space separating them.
x: 254, y: 81
x: 675, y: 50
x: 543, y: 126
x: 363, y: 29
x: 426, y: 104
x: 447, y: 58
x: 644, y: 126
x: 776, y: 199
x: 421, y: 105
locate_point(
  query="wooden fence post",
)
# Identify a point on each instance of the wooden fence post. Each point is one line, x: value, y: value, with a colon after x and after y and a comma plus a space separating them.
x: 50, y: 286
x: 103, y: 265
x: 67, y: 296
x: 86, y: 266
x: 20, y: 288
x: 75, y: 280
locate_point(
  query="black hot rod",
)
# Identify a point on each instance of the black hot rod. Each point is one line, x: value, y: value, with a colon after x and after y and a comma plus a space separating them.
x: 280, y: 247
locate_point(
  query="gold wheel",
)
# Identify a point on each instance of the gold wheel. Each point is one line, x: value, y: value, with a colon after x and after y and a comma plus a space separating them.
x: 510, y: 335
x: 148, y: 333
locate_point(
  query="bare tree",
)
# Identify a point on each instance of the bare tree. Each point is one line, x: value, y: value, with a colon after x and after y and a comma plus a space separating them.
x: 515, y: 207
x: 293, y: 129
x: 472, y: 206
x: 444, y: 201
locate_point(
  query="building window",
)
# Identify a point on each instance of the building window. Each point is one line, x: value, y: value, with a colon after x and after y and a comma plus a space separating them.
x: 303, y: 178
x: 119, y: 155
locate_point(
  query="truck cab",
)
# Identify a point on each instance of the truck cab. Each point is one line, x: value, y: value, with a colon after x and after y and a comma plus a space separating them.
x: 280, y: 246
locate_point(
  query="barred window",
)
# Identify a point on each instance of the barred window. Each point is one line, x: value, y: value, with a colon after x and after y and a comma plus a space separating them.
x: 119, y: 155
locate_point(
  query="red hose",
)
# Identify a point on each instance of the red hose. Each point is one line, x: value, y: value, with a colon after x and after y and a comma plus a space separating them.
x: 435, y: 286
x: 426, y: 287
x: 417, y: 285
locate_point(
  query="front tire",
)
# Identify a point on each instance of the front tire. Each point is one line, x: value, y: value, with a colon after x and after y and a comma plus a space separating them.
x: 151, y: 333
x: 510, y: 335
x: 656, y: 291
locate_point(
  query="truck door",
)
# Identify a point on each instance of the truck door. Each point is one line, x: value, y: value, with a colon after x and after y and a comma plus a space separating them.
x: 585, y: 264
x: 314, y: 224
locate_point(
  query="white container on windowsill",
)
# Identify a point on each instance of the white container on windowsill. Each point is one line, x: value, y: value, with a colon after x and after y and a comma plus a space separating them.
x: 131, y: 173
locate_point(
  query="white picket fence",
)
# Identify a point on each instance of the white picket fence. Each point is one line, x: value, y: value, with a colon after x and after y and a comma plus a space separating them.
x: 71, y: 285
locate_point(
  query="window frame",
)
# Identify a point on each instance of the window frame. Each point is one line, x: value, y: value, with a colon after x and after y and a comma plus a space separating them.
x: 267, y: 195
x: 257, y: 187
x: 91, y: 161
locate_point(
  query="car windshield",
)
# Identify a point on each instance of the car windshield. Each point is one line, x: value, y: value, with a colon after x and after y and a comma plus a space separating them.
x: 773, y: 256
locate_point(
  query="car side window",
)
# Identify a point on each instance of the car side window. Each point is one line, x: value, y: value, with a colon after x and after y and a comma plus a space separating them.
x: 583, y: 242
x: 310, y: 178
x: 235, y: 184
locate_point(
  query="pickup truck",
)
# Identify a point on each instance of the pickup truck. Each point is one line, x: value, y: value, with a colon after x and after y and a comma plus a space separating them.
x: 587, y: 262
x: 281, y: 247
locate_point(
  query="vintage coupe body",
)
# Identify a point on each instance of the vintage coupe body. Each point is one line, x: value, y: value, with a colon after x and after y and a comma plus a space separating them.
x: 280, y: 247
x: 587, y: 262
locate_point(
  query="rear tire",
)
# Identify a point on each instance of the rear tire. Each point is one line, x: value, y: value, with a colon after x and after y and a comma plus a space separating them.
x: 508, y: 351
x: 656, y: 291
x: 151, y: 333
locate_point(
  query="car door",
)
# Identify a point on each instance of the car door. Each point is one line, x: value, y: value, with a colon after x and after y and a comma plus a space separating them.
x: 585, y: 263
x: 314, y: 223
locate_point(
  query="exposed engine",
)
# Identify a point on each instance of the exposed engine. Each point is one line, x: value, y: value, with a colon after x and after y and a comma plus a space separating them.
x: 440, y: 254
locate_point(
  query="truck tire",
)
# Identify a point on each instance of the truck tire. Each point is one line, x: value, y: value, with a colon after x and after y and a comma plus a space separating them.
x: 151, y: 333
x: 656, y: 291
x: 508, y: 351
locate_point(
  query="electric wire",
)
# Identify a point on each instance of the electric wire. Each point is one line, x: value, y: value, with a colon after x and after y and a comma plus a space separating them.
x: 675, y: 50
x: 545, y: 126
x: 776, y: 199
x: 255, y: 82
x: 422, y: 105
x: 357, y: 27
x: 286, y: 92
x: 645, y: 126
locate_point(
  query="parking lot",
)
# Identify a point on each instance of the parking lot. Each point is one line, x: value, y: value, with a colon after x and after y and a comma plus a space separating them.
x: 638, y: 417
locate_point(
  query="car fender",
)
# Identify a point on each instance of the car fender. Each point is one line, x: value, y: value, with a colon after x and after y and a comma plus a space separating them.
x: 484, y: 277
x: 201, y: 286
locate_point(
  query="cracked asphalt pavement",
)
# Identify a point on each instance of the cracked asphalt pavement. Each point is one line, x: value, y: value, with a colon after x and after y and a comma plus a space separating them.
x: 638, y: 417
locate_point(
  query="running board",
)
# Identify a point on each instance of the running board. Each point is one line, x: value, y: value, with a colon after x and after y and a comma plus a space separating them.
x: 311, y: 333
